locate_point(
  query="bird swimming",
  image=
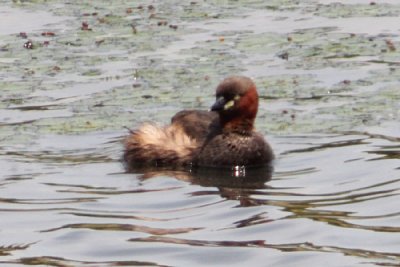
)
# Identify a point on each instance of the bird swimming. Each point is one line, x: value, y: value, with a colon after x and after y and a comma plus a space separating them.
x: 222, y: 137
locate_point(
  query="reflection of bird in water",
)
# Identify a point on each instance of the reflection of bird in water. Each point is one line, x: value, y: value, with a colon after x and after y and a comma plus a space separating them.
x: 232, y: 184
x: 224, y: 137
x: 251, y: 178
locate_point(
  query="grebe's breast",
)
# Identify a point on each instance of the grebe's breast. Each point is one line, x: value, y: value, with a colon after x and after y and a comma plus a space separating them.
x: 232, y: 149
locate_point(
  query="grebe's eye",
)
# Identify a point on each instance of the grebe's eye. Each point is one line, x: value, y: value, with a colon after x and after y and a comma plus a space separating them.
x: 230, y: 97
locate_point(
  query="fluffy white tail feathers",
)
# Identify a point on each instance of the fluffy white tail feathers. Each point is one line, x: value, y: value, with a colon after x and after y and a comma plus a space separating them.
x: 159, y: 145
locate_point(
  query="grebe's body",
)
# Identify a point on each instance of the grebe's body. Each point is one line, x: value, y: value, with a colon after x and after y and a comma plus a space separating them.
x: 222, y: 137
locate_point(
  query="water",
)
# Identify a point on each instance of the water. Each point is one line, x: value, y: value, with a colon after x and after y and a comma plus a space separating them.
x: 329, y: 200
x: 65, y: 199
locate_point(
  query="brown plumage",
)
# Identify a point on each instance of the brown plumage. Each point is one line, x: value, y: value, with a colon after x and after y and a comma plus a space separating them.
x: 222, y: 137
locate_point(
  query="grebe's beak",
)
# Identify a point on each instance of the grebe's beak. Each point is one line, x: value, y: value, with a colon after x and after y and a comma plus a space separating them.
x: 219, y: 104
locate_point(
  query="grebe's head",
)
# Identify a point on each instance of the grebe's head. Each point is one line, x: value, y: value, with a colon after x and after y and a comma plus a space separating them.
x: 236, y: 101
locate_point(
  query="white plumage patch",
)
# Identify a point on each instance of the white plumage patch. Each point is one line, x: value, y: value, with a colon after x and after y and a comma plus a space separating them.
x: 168, y: 138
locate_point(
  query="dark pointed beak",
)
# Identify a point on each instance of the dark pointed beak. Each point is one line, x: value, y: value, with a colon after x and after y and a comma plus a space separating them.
x: 219, y: 104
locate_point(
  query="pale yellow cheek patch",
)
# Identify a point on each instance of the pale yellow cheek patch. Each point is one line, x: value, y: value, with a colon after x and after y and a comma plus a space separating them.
x: 229, y: 104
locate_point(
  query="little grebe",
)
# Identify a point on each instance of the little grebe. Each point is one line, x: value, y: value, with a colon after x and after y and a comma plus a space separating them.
x: 222, y: 137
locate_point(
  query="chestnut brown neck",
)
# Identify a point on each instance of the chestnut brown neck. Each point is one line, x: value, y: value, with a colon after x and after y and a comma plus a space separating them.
x: 241, y: 120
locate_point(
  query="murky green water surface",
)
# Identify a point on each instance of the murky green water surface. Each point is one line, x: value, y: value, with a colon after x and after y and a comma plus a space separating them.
x: 74, y: 74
